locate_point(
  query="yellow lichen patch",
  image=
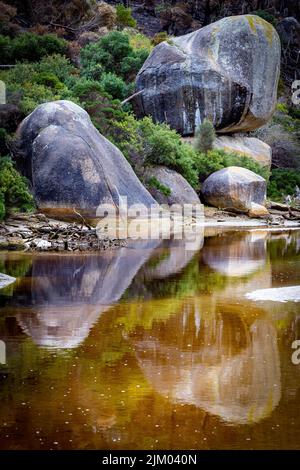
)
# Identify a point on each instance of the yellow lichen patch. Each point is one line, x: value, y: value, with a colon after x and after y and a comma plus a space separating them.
x: 255, y: 21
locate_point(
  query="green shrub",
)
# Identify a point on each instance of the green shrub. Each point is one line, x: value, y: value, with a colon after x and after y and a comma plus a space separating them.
x: 140, y: 41
x: 265, y: 15
x: 294, y: 112
x: 282, y: 183
x: 114, y: 85
x: 214, y: 160
x: 49, y: 80
x: 3, y: 140
x: 34, y: 83
x: 144, y: 142
x: 14, y: 192
x: 124, y: 16
x: 159, y: 37
x: 30, y: 47
x: 155, y: 183
x: 58, y: 65
x: 103, y: 110
x: 112, y: 52
x: 205, y: 136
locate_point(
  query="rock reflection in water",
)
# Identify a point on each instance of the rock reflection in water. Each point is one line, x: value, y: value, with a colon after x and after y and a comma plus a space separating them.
x: 216, y: 362
x: 69, y: 293
x: 236, y: 255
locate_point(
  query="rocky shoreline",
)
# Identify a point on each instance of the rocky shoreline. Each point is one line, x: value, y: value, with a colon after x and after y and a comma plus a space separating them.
x: 38, y: 233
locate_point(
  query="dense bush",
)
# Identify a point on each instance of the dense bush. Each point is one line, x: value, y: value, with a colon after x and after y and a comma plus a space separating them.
x: 103, y: 110
x: 3, y: 140
x: 214, y: 160
x: 265, y: 15
x: 30, y: 47
x: 124, y: 17
x: 283, y: 182
x: 14, y: 192
x: 146, y: 143
x: 159, y: 37
x: 39, y: 82
x: 114, y: 85
x: 113, y: 52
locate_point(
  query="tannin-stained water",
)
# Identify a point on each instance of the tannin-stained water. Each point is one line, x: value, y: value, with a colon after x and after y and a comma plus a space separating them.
x: 153, y: 347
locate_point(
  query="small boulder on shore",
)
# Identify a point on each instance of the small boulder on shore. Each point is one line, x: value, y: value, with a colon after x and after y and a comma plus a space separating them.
x: 237, y: 189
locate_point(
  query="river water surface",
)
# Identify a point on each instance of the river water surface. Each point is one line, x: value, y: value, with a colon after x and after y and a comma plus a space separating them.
x: 154, y: 347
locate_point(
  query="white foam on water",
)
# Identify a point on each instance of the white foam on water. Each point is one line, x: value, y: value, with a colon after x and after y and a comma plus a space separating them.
x: 280, y: 294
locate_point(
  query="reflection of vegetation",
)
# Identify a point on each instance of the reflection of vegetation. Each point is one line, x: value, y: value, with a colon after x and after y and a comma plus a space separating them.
x: 155, y: 261
x: 144, y: 315
x: 284, y: 248
x: 15, y: 267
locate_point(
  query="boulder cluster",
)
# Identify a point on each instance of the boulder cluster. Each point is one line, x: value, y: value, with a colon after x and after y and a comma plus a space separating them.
x: 226, y: 72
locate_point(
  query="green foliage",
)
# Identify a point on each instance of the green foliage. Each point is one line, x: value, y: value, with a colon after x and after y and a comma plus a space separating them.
x: 30, y: 47
x: 13, y: 189
x: 39, y: 82
x: 265, y: 15
x: 140, y: 41
x: 49, y: 80
x: 155, y: 183
x: 294, y: 112
x: 103, y: 110
x: 214, y: 160
x: 114, y: 85
x: 124, y: 17
x: 112, y: 52
x: 146, y: 143
x: 205, y: 136
x: 3, y: 140
x: 288, y: 118
x: 57, y: 65
x: 282, y: 108
x: 283, y: 182
x: 159, y: 37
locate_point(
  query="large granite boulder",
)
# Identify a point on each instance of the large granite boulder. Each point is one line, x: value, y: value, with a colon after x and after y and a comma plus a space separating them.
x: 227, y: 72
x: 235, y: 188
x: 71, y: 165
x: 174, y: 187
x: 249, y: 147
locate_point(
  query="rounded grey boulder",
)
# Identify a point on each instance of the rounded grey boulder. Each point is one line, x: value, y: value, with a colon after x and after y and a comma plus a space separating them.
x: 235, y: 188
x: 71, y: 165
x: 227, y: 72
x: 175, y: 188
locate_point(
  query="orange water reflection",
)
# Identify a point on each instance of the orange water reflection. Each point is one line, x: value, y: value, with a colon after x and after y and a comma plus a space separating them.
x: 152, y: 347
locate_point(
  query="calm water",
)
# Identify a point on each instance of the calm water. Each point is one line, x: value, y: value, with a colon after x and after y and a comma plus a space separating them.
x: 152, y: 347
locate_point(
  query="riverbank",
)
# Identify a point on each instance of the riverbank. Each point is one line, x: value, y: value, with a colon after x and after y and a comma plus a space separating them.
x: 39, y: 233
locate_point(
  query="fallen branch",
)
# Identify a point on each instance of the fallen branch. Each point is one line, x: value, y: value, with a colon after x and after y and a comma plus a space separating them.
x: 83, y: 219
x: 131, y: 97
